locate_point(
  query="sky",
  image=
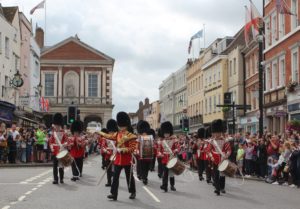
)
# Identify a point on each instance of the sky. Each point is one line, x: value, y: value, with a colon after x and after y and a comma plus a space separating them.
x: 147, y: 38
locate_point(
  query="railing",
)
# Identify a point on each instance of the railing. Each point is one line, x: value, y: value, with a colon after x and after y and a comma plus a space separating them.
x: 79, y: 100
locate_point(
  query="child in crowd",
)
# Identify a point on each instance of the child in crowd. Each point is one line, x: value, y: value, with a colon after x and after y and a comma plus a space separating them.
x: 240, y: 157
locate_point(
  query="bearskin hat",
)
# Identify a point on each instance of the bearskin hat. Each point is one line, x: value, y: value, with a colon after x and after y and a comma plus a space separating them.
x: 217, y: 126
x: 123, y: 119
x: 112, y: 125
x: 142, y: 127
x: 207, y: 132
x: 159, y: 133
x: 104, y: 130
x: 201, y: 133
x: 58, y: 119
x: 76, y: 127
x: 130, y: 129
x: 166, y: 128
x: 151, y: 132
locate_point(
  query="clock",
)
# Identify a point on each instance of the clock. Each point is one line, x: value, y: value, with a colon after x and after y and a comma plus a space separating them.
x: 17, y: 82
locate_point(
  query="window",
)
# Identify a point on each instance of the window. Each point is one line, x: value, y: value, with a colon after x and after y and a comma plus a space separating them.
x: 234, y: 66
x: 210, y: 104
x: 49, y: 84
x: 281, y: 25
x: 215, y: 103
x: 295, y: 65
x: 268, y: 79
x: 274, y: 75
x: 93, y: 85
x: 294, y: 10
x: 219, y: 102
x: 274, y: 27
x: 230, y: 68
x: 6, y: 47
x: 268, y: 32
x: 282, y: 71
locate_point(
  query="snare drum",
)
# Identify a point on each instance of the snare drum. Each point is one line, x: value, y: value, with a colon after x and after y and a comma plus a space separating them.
x: 65, y: 158
x: 228, y: 168
x: 176, y: 166
x: 146, y: 147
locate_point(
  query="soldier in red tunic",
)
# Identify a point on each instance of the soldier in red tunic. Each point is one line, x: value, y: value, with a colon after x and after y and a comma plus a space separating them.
x: 220, y: 151
x: 108, y: 150
x: 76, y: 145
x: 56, y: 145
x: 126, y: 144
x: 167, y: 132
x: 199, y: 146
x: 158, y: 152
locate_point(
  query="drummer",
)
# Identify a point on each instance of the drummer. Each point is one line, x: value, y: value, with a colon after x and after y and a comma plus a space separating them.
x: 199, y: 147
x: 76, y: 145
x: 167, y: 132
x: 219, y: 145
x: 56, y: 145
x: 143, y: 129
x: 158, y: 153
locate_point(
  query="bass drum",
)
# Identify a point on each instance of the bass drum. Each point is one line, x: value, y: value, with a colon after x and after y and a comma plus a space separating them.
x: 228, y: 168
x: 65, y: 158
x: 176, y: 166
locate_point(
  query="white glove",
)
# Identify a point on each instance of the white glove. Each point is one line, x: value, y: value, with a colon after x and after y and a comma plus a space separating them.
x: 119, y: 150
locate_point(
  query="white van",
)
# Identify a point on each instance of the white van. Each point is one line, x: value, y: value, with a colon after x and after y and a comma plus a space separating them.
x: 93, y: 127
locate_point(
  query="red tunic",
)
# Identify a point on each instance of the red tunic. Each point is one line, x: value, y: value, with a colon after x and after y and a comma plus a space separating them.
x: 166, y: 154
x: 53, y: 143
x: 226, y: 149
x: 77, y: 146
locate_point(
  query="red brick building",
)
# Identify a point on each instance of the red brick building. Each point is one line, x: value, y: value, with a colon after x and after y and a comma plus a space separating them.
x: 282, y: 41
x: 73, y: 72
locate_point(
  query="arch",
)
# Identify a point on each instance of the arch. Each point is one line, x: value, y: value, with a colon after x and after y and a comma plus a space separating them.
x: 71, y: 84
x: 91, y: 118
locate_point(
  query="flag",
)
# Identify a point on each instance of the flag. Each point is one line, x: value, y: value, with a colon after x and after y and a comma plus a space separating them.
x: 42, y: 103
x: 256, y: 18
x: 283, y: 8
x: 39, y: 6
x: 46, y: 108
x: 199, y: 34
x: 247, y: 26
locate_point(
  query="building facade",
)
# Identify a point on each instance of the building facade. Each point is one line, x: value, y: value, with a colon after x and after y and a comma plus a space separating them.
x: 74, y: 73
x: 195, y: 93
x: 153, y: 118
x: 166, y: 99
x: 215, y: 73
x: 281, y: 65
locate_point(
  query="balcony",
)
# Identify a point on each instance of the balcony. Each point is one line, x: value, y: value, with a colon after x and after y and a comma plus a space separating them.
x: 79, y: 101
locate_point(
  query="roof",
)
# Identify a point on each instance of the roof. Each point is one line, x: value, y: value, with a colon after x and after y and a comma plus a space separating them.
x: 75, y: 39
x: 238, y: 39
x: 9, y: 13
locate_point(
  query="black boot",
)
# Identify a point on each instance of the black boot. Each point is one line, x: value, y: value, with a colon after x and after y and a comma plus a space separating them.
x: 108, y: 184
x: 164, y: 188
x: 55, y: 182
x: 217, y: 192
x: 172, y: 182
x: 112, y: 197
x: 132, y: 196
x: 145, y: 181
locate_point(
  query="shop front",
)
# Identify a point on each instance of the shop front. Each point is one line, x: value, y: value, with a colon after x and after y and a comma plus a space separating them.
x: 6, y: 112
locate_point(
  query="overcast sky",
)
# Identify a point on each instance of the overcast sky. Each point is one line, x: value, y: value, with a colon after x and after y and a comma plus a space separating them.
x: 147, y: 38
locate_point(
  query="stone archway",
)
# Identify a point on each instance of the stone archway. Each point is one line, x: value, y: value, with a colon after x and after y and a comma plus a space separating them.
x: 71, y: 84
x: 91, y: 118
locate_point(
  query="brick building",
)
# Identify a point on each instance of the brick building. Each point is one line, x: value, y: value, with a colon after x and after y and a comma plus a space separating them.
x: 282, y: 41
x: 73, y: 72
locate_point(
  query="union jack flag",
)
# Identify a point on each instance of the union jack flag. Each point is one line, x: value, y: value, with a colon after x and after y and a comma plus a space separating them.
x: 42, y: 103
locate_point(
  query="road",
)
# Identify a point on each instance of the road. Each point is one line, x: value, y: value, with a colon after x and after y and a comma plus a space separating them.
x: 32, y: 188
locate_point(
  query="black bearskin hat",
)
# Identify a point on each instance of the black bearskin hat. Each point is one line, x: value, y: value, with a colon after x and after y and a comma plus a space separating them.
x: 104, y: 130
x: 58, y: 119
x: 130, y: 129
x: 76, y: 127
x: 151, y: 132
x: 159, y: 133
x: 217, y: 126
x: 123, y: 119
x: 111, y: 125
x: 201, y: 133
x: 142, y: 127
x: 166, y: 128
x: 207, y: 132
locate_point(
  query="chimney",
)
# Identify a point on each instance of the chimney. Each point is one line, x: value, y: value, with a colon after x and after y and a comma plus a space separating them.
x: 39, y: 37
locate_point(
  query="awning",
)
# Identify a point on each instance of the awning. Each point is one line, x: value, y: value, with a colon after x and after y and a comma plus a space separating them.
x: 27, y: 119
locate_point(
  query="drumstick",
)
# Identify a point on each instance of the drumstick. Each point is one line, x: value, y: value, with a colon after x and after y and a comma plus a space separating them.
x: 104, y: 174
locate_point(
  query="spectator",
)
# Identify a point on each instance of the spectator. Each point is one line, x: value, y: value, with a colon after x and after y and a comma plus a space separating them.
x: 29, y: 144
x: 13, y: 137
x: 262, y: 158
x: 240, y: 157
x: 295, y: 165
x: 40, y: 141
x: 22, y: 142
x: 248, y: 159
x: 3, y: 145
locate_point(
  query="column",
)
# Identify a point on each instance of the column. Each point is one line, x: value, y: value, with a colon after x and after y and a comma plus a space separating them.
x: 103, y: 85
x: 82, y: 85
x: 60, y: 88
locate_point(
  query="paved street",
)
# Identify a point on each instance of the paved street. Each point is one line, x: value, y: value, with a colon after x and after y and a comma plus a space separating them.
x: 32, y: 188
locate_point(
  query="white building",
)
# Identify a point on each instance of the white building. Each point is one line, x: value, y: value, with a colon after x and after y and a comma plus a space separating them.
x: 173, y: 97
x: 9, y: 52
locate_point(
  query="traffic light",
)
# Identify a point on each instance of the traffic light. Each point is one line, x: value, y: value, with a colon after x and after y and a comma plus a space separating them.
x: 185, y: 125
x: 72, y: 114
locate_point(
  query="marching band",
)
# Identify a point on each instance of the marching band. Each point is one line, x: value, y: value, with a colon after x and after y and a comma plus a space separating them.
x: 121, y: 149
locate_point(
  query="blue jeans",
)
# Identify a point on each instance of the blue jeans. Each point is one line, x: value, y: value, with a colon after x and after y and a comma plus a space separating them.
x: 28, y: 153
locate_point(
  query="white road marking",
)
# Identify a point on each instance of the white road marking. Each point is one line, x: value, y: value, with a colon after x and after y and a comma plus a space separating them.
x: 151, y: 194
x: 36, y: 177
x: 21, y: 198
x: 6, y: 207
x: 40, y: 185
x: 29, y: 192
x: 34, y: 189
x: 18, y: 183
x: 13, y: 203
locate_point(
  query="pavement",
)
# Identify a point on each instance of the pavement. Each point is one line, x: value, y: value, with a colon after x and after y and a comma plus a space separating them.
x: 31, y: 187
